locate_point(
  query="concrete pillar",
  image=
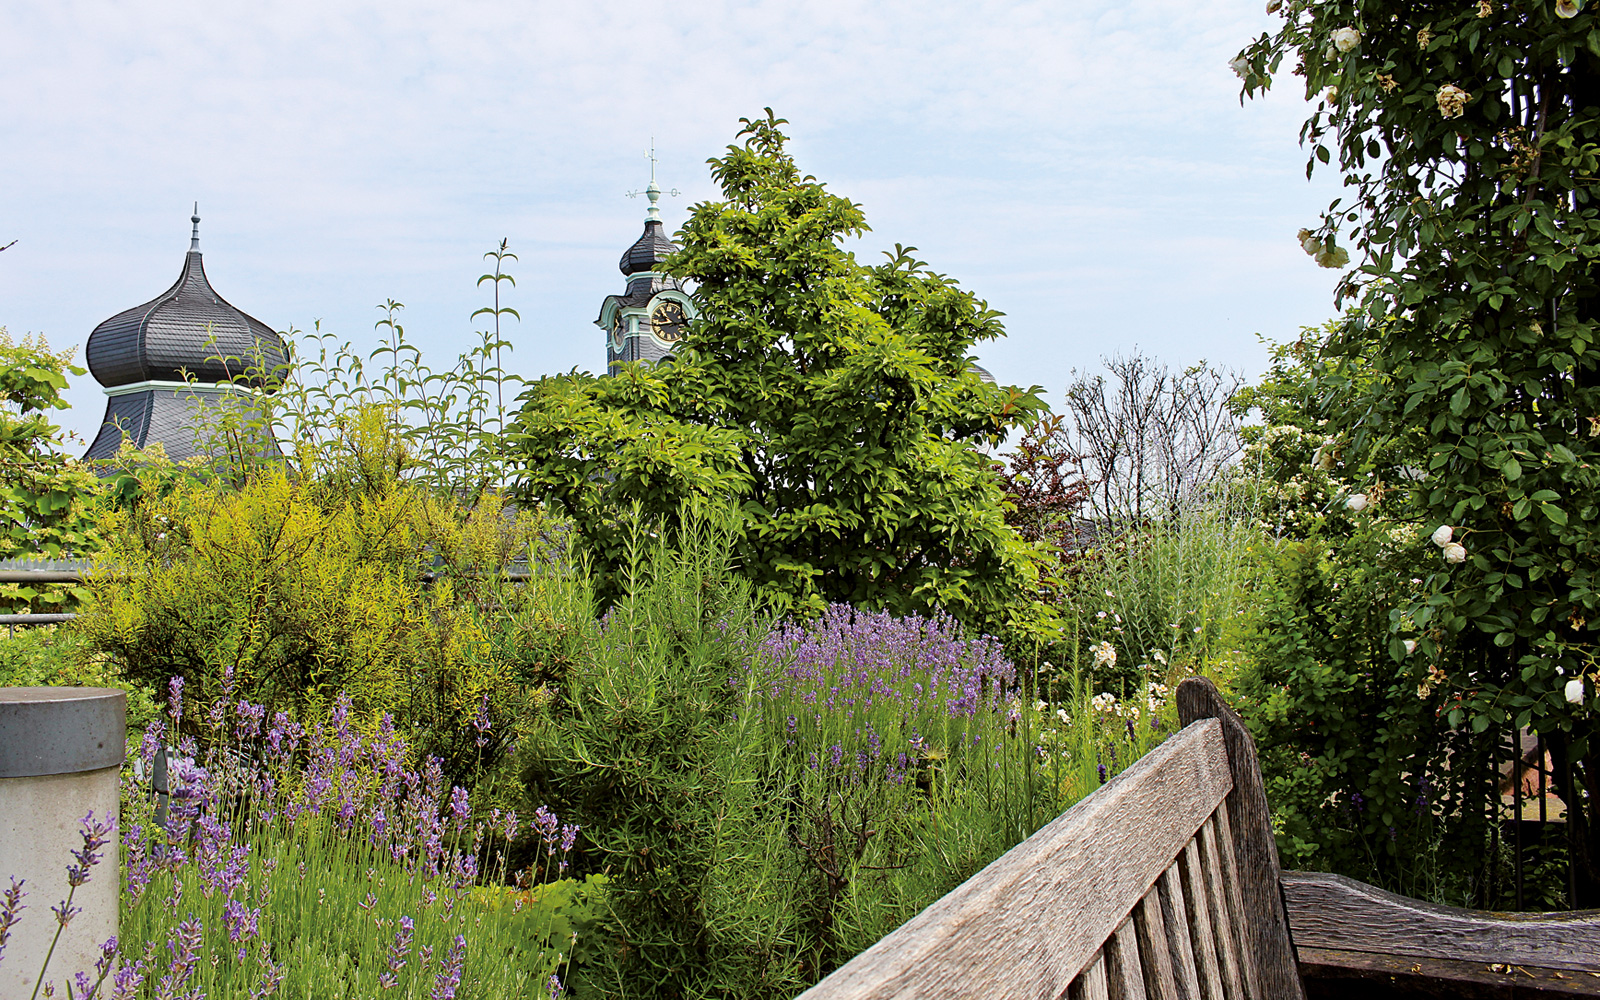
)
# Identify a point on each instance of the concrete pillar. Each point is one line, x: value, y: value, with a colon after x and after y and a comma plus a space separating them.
x: 60, y: 753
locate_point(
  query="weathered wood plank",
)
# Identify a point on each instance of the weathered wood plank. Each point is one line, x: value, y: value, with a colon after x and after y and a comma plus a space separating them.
x: 1255, y: 850
x: 1091, y: 984
x: 1055, y: 897
x: 1236, y: 911
x: 1331, y: 911
x: 1176, y: 917
x: 1124, y: 971
x: 1155, y: 953
x: 1332, y: 973
x: 1225, y: 921
x: 1200, y: 933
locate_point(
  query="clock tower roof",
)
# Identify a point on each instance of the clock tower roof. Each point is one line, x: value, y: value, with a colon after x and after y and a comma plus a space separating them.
x: 648, y: 251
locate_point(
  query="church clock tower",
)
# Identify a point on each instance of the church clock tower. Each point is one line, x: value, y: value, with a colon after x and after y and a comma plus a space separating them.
x: 647, y: 320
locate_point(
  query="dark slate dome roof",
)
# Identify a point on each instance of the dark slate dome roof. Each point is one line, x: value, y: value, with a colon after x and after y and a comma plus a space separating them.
x: 649, y: 251
x: 177, y: 332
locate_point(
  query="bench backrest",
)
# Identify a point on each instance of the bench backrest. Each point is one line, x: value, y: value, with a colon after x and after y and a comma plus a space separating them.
x: 1145, y: 889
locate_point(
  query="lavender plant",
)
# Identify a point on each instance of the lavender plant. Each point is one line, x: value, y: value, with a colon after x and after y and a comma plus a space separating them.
x: 323, y: 861
x: 897, y: 757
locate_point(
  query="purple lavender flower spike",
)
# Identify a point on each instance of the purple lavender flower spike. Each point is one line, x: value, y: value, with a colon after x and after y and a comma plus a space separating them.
x: 185, y: 950
x: 448, y: 978
x: 11, y: 910
x: 175, y: 701
x: 398, y: 950
x: 553, y: 985
x: 127, y: 980
x: 460, y: 807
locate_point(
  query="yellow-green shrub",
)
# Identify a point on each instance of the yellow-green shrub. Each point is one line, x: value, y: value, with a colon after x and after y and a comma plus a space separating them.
x: 284, y: 594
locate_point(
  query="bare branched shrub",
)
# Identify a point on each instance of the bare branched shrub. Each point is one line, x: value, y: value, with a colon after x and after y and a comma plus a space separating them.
x: 1150, y: 439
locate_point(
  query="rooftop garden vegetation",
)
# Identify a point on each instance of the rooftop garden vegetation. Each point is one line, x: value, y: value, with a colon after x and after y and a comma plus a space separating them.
x: 696, y: 680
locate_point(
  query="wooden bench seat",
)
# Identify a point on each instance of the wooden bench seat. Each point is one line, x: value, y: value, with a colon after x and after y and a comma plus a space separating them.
x: 1165, y: 885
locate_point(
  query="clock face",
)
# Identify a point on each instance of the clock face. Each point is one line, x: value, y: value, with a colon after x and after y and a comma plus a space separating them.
x: 668, y: 321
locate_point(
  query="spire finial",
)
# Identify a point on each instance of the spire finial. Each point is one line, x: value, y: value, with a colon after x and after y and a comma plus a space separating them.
x: 653, y: 191
x: 194, y: 237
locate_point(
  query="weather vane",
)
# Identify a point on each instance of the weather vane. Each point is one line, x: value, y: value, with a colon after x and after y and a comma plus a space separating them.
x: 653, y: 192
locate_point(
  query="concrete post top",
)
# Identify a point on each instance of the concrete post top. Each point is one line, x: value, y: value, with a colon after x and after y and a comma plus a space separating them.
x: 60, y: 730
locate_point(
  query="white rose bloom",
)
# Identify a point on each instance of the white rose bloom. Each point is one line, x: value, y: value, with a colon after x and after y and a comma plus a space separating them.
x: 1575, y: 691
x: 1442, y: 535
x: 1410, y: 644
x: 1452, y: 100
x: 1568, y: 8
x: 1240, y: 65
x: 1335, y: 257
x: 1346, y: 39
x: 1455, y: 552
x: 1331, y: 95
x: 1356, y: 502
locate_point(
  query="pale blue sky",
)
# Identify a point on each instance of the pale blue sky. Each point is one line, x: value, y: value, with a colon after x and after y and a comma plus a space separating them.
x: 1085, y: 166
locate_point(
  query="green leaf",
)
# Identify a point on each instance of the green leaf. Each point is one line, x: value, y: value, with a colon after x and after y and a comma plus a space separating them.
x: 1554, y: 513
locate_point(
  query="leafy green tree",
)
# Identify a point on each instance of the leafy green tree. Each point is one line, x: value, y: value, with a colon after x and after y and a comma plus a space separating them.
x: 836, y: 403
x: 47, y: 500
x: 1469, y: 135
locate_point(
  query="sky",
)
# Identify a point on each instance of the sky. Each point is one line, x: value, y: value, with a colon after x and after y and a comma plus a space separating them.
x: 1084, y: 166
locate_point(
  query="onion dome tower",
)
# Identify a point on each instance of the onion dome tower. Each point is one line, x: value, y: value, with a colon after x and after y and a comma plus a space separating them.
x: 647, y: 320
x: 161, y: 363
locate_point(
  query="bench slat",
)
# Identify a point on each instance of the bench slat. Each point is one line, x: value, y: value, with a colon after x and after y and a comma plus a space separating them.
x: 1176, y: 916
x: 1058, y: 895
x: 1154, y: 950
x: 1092, y: 985
x: 1199, y: 905
x: 1236, y: 910
x: 1223, y: 920
x: 1124, y: 970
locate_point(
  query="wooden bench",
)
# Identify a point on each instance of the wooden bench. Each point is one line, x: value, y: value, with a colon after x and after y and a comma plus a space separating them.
x: 1164, y: 885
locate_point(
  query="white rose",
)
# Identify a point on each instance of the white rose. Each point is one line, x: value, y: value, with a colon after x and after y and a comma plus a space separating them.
x: 1331, y: 95
x: 1335, y: 257
x: 1452, y: 100
x: 1575, y: 691
x: 1410, y: 644
x: 1240, y: 65
x: 1346, y: 39
x: 1356, y: 502
x: 1455, y: 552
x: 1568, y: 8
x: 1442, y: 535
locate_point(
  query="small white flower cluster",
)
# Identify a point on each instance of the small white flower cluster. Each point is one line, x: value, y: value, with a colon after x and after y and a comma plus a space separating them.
x: 1454, y: 552
x: 1105, y: 655
x: 1156, y: 696
x: 1105, y: 703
